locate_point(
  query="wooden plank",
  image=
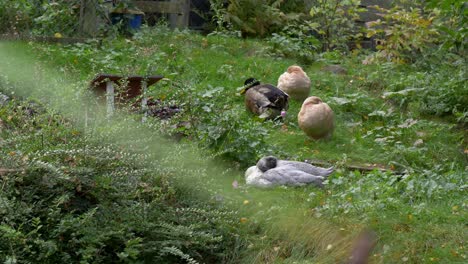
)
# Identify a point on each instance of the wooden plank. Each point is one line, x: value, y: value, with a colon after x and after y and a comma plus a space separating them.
x: 110, y: 99
x: 63, y: 40
x: 361, y: 168
x: 88, y: 18
x: 181, y: 20
x: 173, y: 7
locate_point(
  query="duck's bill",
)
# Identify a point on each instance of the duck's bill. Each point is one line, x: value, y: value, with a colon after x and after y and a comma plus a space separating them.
x: 242, y: 90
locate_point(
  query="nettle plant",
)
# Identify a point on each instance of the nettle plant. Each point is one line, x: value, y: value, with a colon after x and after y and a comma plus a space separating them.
x: 58, y: 17
x: 402, y: 34
x: 296, y: 40
x: 452, y: 24
x: 231, y: 134
x: 334, y: 21
x: 362, y: 194
x: 257, y: 18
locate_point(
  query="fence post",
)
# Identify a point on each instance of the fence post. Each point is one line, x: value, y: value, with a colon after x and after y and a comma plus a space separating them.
x: 144, y: 100
x: 88, y: 25
x: 110, y: 98
x: 180, y: 20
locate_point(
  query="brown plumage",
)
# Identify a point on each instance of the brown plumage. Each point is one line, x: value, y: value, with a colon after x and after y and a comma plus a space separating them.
x: 316, y: 118
x: 295, y: 83
x: 264, y: 100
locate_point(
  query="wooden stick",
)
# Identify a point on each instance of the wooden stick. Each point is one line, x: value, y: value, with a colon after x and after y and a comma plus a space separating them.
x: 362, y: 168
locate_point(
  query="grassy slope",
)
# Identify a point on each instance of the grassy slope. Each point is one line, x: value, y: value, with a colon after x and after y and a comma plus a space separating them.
x: 412, y: 226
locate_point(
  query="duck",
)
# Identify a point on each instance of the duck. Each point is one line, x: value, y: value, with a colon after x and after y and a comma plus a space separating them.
x: 271, y: 171
x: 316, y: 118
x: 264, y: 100
x: 295, y: 83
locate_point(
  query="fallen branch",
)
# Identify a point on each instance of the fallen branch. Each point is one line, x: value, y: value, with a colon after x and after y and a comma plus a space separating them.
x: 361, y: 168
x: 46, y: 39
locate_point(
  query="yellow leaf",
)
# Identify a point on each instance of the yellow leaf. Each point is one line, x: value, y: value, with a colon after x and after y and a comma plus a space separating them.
x: 58, y: 35
x: 243, y: 220
x: 370, y: 34
x: 246, y: 202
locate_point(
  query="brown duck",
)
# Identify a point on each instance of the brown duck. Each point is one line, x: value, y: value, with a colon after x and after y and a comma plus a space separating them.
x: 264, y: 100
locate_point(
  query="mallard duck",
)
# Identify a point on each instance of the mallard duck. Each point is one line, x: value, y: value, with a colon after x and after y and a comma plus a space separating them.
x: 316, y: 118
x: 295, y: 83
x: 264, y: 100
x: 271, y: 171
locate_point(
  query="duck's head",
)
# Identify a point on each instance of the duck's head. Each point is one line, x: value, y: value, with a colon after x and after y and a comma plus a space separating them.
x: 250, y: 82
x: 312, y: 100
x: 295, y: 68
x: 266, y: 163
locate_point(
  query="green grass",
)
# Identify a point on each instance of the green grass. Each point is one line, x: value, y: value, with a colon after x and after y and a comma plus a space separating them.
x: 418, y: 215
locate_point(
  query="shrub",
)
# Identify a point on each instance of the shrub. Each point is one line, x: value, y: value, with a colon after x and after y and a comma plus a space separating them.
x: 77, y: 200
x: 257, y: 18
x: 296, y: 41
x: 334, y: 22
x: 16, y: 16
x: 451, y: 24
x: 402, y: 34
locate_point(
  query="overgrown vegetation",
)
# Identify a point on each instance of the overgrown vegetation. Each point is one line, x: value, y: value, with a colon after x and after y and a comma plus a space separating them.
x: 69, y: 198
x: 402, y: 108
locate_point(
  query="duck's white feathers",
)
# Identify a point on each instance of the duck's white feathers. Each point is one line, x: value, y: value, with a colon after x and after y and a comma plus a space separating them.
x: 291, y: 173
x: 306, y: 167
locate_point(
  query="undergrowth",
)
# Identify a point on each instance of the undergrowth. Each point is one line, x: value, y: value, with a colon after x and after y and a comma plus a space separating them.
x: 406, y: 119
x: 66, y: 197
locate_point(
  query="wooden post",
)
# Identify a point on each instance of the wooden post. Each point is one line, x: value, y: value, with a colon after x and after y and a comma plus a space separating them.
x: 86, y: 118
x: 144, y: 100
x: 181, y: 19
x: 88, y: 18
x: 110, y: 98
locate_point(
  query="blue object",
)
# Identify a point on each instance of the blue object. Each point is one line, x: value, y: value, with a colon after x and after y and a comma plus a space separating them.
x: 130, y: 22
x: 135, y: 21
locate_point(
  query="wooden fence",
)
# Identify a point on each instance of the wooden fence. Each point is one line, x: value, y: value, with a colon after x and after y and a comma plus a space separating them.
x: 179, y: 10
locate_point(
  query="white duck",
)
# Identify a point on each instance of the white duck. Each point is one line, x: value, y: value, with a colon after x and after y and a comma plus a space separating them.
x: 295, y: 83
x: 271, y: 171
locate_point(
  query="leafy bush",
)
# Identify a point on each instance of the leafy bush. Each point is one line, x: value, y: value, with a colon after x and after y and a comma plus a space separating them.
x: 403, y: 34
x: 39, y: 17
x: 334, y: 22
x: 296, y: 41
x: 427, y: 87
x: 70, y: 200
x: 228, y: 131
x: 58, y: 17
x: 451, y: 24
x: 16, y: 16
x: 257, y: 18
x: 354, y: 193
